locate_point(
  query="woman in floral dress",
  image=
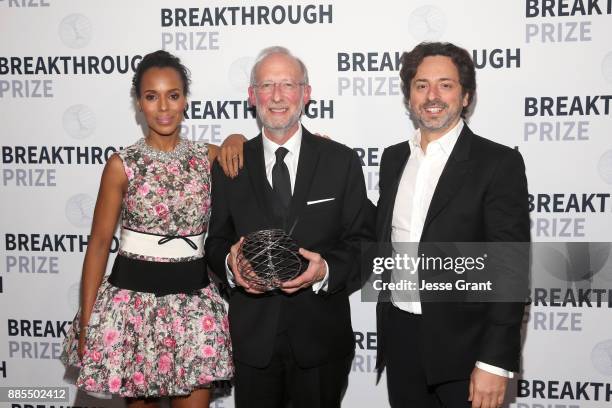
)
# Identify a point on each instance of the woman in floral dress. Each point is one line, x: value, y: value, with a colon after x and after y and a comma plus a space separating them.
x: 157, y: 326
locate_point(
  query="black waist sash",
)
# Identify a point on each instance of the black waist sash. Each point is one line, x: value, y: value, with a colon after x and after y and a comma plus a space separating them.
x: 159, y: 278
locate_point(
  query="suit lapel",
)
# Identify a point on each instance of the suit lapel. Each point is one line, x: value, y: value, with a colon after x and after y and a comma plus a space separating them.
x: 254, y: 156
x: 307, y: 164
x: 452, y: 178
x: 397, y: 166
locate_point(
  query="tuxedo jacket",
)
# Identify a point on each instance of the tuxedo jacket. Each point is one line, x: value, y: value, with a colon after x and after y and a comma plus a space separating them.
x: 318, y: 325
x: 481, y: 196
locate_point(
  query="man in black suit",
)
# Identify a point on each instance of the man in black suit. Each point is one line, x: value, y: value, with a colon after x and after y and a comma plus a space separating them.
x: 447, y: 184
x: 294, y: 344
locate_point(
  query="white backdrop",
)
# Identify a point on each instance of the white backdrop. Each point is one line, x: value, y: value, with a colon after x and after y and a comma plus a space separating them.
x: 544, y: 86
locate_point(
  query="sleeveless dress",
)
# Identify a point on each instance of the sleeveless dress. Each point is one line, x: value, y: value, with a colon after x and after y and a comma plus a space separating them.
x: 140, y: 344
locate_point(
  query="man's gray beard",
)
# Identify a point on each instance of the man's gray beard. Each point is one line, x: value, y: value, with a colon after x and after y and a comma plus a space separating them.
x: 279, y: 131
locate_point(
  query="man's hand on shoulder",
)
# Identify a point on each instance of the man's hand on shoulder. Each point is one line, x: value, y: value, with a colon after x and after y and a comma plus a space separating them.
x: 487, y: 390
x: 315, y: 272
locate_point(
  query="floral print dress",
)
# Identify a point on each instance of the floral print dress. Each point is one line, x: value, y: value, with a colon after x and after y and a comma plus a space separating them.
x: 139, y: 344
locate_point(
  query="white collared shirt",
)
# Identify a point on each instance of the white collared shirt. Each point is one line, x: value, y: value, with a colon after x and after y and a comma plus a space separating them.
x: 291, y: 159
x: 414, y: 193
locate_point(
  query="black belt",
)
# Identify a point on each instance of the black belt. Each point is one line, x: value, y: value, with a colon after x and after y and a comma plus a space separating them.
x: 159, y: 278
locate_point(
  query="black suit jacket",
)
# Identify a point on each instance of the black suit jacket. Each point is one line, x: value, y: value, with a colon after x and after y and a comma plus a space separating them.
x: 318, y: 325
x: 481, y: 196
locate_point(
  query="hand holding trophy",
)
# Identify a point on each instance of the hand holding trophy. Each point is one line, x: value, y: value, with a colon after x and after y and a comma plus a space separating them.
x: 267, y: 258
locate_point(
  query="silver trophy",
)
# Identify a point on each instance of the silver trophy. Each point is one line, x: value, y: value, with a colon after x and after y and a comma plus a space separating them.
x: 267, y: 258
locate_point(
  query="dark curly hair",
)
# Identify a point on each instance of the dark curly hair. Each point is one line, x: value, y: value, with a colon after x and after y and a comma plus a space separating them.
x: 410, y: 62
x: 160, y: 59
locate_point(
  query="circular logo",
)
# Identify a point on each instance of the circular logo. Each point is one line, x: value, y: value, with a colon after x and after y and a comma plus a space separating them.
x: 73, y: 296
x: 606, y: 67
x: 604, y: 167
x: 601, y: 357
x: 576, y: 262
x: 79, y: 210
x: 75, y: 31
x: 79, y: 121
x: 427, y: 23
x: 240, y: 73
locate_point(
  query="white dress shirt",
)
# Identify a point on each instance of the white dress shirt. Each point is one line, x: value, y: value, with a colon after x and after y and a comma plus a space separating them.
x: 291, y: 160
x: 415, y: 191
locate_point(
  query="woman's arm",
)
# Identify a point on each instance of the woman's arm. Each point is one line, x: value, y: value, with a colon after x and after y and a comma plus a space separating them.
x: 113, y: 186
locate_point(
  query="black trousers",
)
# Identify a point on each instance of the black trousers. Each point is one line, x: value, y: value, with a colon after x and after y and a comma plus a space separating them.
x: 283, y: 381
x: 406, y: 380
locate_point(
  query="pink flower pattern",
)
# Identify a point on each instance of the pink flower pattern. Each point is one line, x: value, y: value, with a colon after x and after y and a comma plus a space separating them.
x: 110, y: 337
x: 208, y: 323
x: 129, y: 172
x: 167, y: 197
x: 90, y: 384
x: 144, y: 189
x: 141, y: 345
x: 138, y: 378
x: 96, y: 355
x: 164, y: 364
x: 114, y: 383
x: 161, y: 210
x: 208, y: 351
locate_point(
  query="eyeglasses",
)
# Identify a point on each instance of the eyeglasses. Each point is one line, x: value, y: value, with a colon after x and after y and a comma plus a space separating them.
x: 286, y: 87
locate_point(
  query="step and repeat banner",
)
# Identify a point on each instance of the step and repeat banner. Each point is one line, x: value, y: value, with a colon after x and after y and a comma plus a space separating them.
x: 544, y: 72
